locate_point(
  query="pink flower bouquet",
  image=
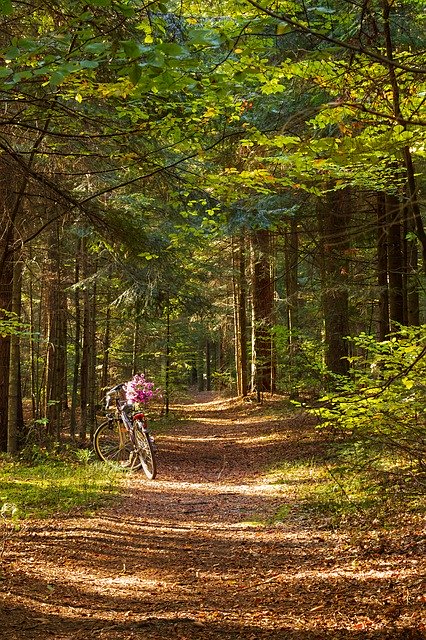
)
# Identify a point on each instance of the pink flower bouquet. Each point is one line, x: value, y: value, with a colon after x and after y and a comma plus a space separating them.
x: 140, y: 390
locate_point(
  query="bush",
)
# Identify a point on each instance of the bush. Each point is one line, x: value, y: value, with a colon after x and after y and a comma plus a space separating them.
x: 381, y: 410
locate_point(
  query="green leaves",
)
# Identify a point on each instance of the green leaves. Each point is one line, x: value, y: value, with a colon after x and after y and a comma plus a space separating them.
x: 6, y: 7
x: 383, y: 406
x: 10, y: 324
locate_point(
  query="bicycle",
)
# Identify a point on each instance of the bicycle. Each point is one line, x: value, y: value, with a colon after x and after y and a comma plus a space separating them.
x: 124, y: 437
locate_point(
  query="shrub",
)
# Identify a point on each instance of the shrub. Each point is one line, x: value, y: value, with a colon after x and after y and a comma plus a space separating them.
x: 381, y: 410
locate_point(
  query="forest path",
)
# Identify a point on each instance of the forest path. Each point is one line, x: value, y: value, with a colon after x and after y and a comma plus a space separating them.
x: 192, y: 556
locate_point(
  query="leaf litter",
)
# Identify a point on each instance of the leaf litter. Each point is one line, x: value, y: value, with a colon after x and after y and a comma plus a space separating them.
x: 197, y: 554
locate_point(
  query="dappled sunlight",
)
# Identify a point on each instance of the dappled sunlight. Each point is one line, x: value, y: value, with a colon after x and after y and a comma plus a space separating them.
x: 207, y: 582
x: 184, y: 567
x: 198, y: 554
x: 170, y: 489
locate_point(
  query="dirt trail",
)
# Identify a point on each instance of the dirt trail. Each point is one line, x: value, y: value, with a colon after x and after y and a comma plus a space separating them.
x: 189, y: 556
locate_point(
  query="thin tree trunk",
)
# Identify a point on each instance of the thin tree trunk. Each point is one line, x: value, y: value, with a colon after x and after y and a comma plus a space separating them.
x: 240, y: 314
x: 236, y: 308
x: 6, y: 279
x: 382, y: 268
x: 200, y: 364
x: 77, y: 346
x: 92, y: 364
x: 85, y: 350
x: 395, y: 262
x: 9, y: 206
x: 167, y: 381
x: 291, y: 252
x: 411, y: 279
x: 15, y: 422
x: 208, y: 366
x: 33, y: 351
x: 106, y: 345
x: 135, y: 349
x: 56, y: 352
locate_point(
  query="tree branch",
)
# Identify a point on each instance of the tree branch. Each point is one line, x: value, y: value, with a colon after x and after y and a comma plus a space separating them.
x: 340, y: 43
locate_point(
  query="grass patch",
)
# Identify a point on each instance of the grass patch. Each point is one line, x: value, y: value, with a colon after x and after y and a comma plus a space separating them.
x: 340, y: 493
x: 162, y: 424
x: 54, y: 485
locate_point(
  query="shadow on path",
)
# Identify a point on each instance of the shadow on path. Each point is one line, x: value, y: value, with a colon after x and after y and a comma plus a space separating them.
x: 192, y: 556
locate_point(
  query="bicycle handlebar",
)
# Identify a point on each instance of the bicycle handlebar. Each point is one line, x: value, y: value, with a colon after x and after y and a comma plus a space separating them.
x: 117, y: 387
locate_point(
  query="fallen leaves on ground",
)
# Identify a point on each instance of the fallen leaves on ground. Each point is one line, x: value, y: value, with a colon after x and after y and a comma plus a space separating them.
x: 192, y: 556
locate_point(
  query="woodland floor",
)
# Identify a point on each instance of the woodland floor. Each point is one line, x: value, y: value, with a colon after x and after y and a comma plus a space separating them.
x: 189, y: 556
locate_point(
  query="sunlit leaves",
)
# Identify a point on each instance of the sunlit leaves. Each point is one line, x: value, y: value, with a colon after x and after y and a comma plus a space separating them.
x: 384, y: 404
x: 10, y: 324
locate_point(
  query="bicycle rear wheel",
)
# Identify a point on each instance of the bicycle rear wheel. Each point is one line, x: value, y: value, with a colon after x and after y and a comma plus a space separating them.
x: 145, y: 450
x: 112, y: 444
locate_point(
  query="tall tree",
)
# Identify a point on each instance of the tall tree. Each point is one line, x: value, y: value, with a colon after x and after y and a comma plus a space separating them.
x: 263, y: 316
x: 334, y: 216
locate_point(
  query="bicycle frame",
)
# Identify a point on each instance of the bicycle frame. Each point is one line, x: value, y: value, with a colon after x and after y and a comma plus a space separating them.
x: 131, y: 428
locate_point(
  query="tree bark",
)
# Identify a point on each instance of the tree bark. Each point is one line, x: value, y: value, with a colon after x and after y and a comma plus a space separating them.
x: 291, y: 256
x: 57, y: 348
x: 240, y: 313
x: 87, y: 368
x: 334, y: 217
x: 15, y: 413
x: 9, y: 207
x: 395, y: 261
x: 77, y: 345
x: 263, y: 312
x: 382, y: 268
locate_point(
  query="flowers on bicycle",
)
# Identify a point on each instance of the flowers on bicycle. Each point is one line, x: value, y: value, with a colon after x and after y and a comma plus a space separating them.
x: 139, y: 389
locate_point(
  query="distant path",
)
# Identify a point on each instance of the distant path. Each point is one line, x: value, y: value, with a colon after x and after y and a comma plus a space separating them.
x: 191, y: 556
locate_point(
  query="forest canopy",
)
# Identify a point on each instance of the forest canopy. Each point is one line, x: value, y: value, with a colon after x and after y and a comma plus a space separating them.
x: 217, y: 195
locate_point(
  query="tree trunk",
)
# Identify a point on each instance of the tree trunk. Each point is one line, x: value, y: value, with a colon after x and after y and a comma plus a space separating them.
x: 168, y: 361
x: 411, y: 276
x: 240, y: 314
x: 106, y: 345
x: 395, y: 261
x: 57, y: 347
x: 8, y: 214
x: 135, y: 344
x: 77, y: 345
x: 87, y: 370
x: 382, y: 268
x: 262, y: 312
x: 291, y: 255
x: 334, y: 217
x: 15, y: 413
x: 200, y: 364
x: 208, y: 366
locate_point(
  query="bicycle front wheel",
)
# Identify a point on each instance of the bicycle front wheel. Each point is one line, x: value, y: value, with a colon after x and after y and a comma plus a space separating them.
x: 112, y: 444
x: 145, y: 450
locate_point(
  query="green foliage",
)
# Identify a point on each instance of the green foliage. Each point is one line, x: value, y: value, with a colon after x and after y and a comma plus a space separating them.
x: 54, y: 484
x: 320, y: 490
x: 340, y: 492
x: 10, y: 325
x: 301, y: 362
x: 381, y: 410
